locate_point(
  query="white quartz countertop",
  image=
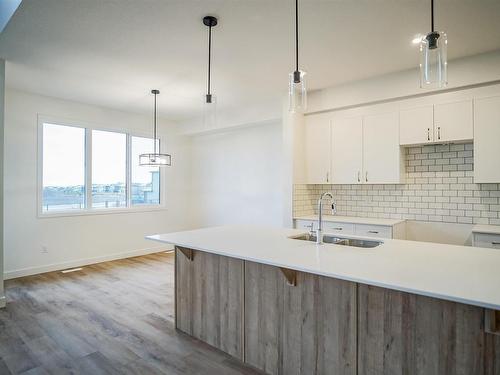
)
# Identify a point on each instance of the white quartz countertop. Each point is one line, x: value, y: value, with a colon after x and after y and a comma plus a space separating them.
x: 353, y: 220
x: 464, y: 274
x: 488, y: 229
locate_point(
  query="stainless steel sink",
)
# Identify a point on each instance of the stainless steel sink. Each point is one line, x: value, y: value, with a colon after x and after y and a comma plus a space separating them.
x: 346, y: 241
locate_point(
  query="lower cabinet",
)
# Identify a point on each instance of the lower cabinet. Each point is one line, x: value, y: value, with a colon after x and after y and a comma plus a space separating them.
x: 289, y: 322
x: 209, y: 299
x: 309, y: 328
x: 402, y: 333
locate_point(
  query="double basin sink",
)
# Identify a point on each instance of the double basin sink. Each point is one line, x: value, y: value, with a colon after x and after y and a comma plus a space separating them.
x: 336, y: 240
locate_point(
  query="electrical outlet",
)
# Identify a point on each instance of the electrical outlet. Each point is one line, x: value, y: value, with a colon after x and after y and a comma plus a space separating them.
x: 45, y: 250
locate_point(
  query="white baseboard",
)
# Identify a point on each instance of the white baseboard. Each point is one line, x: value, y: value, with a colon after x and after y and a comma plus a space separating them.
x: 80, y: 262
x: 3, y: 301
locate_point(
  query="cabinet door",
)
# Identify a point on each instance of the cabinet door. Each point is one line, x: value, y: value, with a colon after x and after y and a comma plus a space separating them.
x: 309, y: 328
x: 487, y: 140
x: 317, y: 148
x: 383, y: 161
x: 402, y: 333
x: 209, y: 299
x: 453, y: 121
x: 347, y: 150
x: 416, y: 125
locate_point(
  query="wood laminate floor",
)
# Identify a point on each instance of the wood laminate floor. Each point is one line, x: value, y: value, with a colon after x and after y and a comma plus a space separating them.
x: 110, y: 318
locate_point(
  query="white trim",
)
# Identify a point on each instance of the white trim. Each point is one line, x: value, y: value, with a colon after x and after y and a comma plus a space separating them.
x: 102, y: 211
x: 81, y: 262
x: 3, y: 301
x: 89, y: 210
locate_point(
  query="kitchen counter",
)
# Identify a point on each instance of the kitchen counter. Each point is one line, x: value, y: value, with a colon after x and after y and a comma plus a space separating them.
x: 488, y: 229
x: 353, y: 220
x: 456, y: 273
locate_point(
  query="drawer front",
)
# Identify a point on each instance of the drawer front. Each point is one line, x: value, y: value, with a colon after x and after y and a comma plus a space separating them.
x: 376, y: 231
x: 487, y: 240
x: 338, y: 228
x: 306, y: 224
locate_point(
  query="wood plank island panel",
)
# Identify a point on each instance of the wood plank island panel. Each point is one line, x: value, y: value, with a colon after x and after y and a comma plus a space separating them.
x: 209, y: 299
x: 309, y: 328
x: 402, y: 333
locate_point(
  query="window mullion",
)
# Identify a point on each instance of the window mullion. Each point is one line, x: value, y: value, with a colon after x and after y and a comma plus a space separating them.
x: 128, y: 184
x: 88, y: 169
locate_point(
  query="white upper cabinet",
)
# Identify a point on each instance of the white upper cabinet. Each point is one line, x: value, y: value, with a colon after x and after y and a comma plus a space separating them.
x: 453, y: 121
x: 439, y: 123
x: 347, y: 150
x: 317, y: 148
x: 383, y: 158
x: 416, y: 125
x: 487, y: 140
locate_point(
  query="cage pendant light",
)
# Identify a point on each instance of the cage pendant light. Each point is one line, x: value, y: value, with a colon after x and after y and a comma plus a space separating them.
x: 297, y: 91
x: 210, y: 101
x: 156, y: 158
x: 433, y: 58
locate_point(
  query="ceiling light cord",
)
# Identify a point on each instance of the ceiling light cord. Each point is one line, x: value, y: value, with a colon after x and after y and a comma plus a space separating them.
x: 296, y: 35
x: 432, y: 16
x: 209, y: 60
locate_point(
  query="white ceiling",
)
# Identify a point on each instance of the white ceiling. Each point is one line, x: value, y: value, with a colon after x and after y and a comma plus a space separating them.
x: 112, y: 52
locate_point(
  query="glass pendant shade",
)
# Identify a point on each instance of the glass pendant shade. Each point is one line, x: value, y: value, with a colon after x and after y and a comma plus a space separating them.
x: 433, y: 60
x: 155, y: 159
x: 297, y: 92
x: 210, y: 111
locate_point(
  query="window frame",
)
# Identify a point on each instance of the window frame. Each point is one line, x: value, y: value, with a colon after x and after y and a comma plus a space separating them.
x: 88, y: 210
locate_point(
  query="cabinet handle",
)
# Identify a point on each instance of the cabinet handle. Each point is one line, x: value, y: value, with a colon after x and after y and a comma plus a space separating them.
x: 428, y: 134
x: 338, y: 228
x: 495, y: 243
x: 439, y: 132
x: 366, y: 176
x: 327, y: 176
x: 373, y: 231
x: 359, y: 176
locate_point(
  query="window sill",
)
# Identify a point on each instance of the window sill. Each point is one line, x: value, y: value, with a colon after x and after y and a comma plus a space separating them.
x: 97, y: 211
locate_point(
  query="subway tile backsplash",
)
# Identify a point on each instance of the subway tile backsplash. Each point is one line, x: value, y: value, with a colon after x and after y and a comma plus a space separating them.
x: 439, y: 187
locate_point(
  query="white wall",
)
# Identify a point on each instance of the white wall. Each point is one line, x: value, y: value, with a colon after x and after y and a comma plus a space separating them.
x: 472, y: 70
x: 77, y: 240
x: 2, y: 102
x: 237, y: 176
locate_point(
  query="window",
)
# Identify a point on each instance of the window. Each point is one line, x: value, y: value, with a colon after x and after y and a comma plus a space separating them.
x: 109, y: 169
x: 84, y: 170
x: 145, y: 180
x: 63, y: 168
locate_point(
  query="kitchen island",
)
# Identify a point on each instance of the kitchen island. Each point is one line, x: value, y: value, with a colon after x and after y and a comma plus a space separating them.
x: 288, y: 306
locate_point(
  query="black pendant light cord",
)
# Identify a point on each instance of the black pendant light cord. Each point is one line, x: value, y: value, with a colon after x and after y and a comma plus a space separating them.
x: 209, y: 60
x: 297, y: 35
x: 296, y: 73
x: 432, y: 16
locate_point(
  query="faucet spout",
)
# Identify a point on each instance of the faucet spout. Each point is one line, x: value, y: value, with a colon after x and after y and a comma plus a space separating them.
x: 319, y: 231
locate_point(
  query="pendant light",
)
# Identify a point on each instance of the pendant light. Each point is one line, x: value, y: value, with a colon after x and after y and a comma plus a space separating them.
x: 433, y: 59
x: 156, y: 158
x: 297, y: 93
x: 209, y: 115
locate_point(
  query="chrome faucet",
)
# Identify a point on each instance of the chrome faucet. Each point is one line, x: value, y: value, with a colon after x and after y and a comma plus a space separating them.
x: 319, y: 231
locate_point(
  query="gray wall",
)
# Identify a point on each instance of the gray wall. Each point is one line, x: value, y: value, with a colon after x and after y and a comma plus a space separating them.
x: 2, y: 107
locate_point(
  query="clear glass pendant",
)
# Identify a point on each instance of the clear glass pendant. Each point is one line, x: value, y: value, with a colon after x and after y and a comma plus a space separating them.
x: 433, y: 60
x: 297, y: 92
x: 210, y: 111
